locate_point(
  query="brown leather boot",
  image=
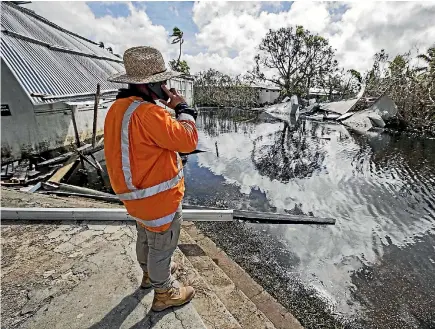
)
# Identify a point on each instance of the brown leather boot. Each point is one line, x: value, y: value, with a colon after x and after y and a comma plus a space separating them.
x: 146, y: 283
x: 174, y: 296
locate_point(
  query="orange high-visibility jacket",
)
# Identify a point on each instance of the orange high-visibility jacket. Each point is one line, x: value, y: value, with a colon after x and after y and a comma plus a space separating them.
x: 141, y: 141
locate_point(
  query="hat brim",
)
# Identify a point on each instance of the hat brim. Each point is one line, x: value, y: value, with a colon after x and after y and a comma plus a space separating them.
x: 126, y: 78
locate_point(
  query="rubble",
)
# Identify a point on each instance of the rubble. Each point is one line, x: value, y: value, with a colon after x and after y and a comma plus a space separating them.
x: 376, y: 116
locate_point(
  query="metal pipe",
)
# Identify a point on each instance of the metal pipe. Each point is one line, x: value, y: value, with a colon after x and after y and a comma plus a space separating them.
x: 120, y: 214
x: 103, y: 214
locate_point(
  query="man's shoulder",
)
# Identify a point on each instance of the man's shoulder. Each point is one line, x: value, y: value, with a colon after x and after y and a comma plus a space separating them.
x: 149, y: 109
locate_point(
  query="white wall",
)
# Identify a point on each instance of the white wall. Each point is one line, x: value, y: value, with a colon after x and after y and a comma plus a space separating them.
x: 18, y: 131
x: 185, y: 86
x: 35, y: 129
x: 267, y: 95
x: 56, y: 127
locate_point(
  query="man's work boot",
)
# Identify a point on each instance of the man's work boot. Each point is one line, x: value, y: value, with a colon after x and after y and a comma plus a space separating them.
x: 146, y: 283
x: 174, y: 296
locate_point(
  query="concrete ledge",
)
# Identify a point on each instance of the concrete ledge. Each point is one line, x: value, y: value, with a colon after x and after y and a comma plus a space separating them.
x: 209, y: 307
x: 274, y: 311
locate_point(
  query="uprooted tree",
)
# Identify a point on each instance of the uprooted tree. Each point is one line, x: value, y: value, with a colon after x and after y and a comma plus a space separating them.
x: 214, y: 88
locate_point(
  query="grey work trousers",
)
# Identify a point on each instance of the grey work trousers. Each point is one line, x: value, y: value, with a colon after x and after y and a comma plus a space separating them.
x: 154, y: 251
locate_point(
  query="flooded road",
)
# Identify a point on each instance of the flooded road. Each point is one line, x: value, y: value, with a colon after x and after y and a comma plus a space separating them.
x: 376, y: 267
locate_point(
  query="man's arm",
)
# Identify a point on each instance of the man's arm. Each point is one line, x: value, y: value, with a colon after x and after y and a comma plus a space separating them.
x: 176, y: 135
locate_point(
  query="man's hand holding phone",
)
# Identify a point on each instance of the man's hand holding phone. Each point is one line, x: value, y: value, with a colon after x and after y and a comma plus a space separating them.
x: 174, y: 98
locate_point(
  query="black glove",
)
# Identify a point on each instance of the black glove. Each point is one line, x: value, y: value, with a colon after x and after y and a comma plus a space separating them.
x: 184, y: 108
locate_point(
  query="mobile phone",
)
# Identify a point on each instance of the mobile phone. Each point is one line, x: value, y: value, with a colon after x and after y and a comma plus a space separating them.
x: 156, y: 88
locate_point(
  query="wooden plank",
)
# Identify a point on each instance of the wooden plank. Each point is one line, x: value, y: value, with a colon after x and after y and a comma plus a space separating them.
x: 62, y: 157
x: 193, y: 152
x: 55, y: 160
x: 76, y: 130
x: 100, y: 141
x: 41, y: 177
x: 94, y: 128
x: 111, y: 199
x: 273, y: 218
x: 74, y: 189
x: 31, y: 188
x: 63, y: 171
x: 93, y: 150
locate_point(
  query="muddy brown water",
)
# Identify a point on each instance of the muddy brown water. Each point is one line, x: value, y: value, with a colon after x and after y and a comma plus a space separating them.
x: 376, y: 267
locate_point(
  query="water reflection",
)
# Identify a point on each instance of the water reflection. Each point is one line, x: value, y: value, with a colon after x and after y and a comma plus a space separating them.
x: 288, y: 153
x: 380, y: 188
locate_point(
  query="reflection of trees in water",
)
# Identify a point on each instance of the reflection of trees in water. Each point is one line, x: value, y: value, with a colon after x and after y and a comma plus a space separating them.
x: 219, y: 121
x: 290, y: 153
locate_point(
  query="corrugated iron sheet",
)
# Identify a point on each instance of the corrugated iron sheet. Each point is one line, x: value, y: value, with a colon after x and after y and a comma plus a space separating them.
x: 44, y: 71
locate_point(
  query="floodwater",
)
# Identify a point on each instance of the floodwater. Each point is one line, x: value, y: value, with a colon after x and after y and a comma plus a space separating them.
x: 375, y: 268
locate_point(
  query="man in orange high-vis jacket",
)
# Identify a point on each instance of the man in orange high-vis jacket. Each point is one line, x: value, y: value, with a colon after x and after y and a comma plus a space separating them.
x: 141, y: 145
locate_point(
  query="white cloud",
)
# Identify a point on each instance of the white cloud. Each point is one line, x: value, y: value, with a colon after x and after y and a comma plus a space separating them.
x: 356, y: 29
x: 230, y: 32
x: 367, y: 27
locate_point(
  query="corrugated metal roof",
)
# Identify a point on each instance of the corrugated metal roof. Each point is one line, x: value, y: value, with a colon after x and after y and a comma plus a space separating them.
x: 63, y: 70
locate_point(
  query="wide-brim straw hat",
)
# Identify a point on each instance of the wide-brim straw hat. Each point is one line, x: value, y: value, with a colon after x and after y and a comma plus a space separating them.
x: 143, y: 65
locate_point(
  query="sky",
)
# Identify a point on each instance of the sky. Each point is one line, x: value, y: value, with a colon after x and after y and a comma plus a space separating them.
x: 225, y: 35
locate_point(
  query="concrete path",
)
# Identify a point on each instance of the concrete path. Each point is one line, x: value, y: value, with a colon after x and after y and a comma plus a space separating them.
x: 85, y: 275
x: 79, y: 276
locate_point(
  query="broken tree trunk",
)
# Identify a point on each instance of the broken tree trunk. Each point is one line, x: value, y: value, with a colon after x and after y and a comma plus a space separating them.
x: 94, y: 128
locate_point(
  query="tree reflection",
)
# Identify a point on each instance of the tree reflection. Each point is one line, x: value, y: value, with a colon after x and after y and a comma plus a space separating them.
x: 218, y: 121
x: 293, y: 152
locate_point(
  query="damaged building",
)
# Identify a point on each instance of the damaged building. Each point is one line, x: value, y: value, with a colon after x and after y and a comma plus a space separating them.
x: 48, y: 73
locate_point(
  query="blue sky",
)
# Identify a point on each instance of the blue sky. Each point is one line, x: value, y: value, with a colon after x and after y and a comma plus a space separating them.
x: 170, y: 14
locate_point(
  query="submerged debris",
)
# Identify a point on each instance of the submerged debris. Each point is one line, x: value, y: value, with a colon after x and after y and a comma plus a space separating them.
x: 376, y: 116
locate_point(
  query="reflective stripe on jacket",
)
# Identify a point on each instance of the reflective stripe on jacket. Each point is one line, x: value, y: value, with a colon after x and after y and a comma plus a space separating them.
x: 141, y: 141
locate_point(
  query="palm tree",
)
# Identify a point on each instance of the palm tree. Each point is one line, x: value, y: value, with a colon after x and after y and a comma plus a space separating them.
x: 101, y: 44
x: 110, y: 50
x: 429, y: 59
x: 177, y: 34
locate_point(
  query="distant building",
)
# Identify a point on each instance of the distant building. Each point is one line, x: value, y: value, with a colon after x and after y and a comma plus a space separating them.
x: 320, y: 93
x: 47, y: 73
x: 267, y: 94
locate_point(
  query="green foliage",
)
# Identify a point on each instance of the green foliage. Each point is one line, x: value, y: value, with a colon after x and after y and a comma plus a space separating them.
x: 298, y: 59
x: 411, y: 87
x: 180, y: 66
x: 213, y: 88
x: 177, y: 65
x: 177, y: 34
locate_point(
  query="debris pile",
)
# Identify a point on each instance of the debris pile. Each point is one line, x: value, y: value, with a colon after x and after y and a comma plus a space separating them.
x: 375, y: 113
x: 36, y: 172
